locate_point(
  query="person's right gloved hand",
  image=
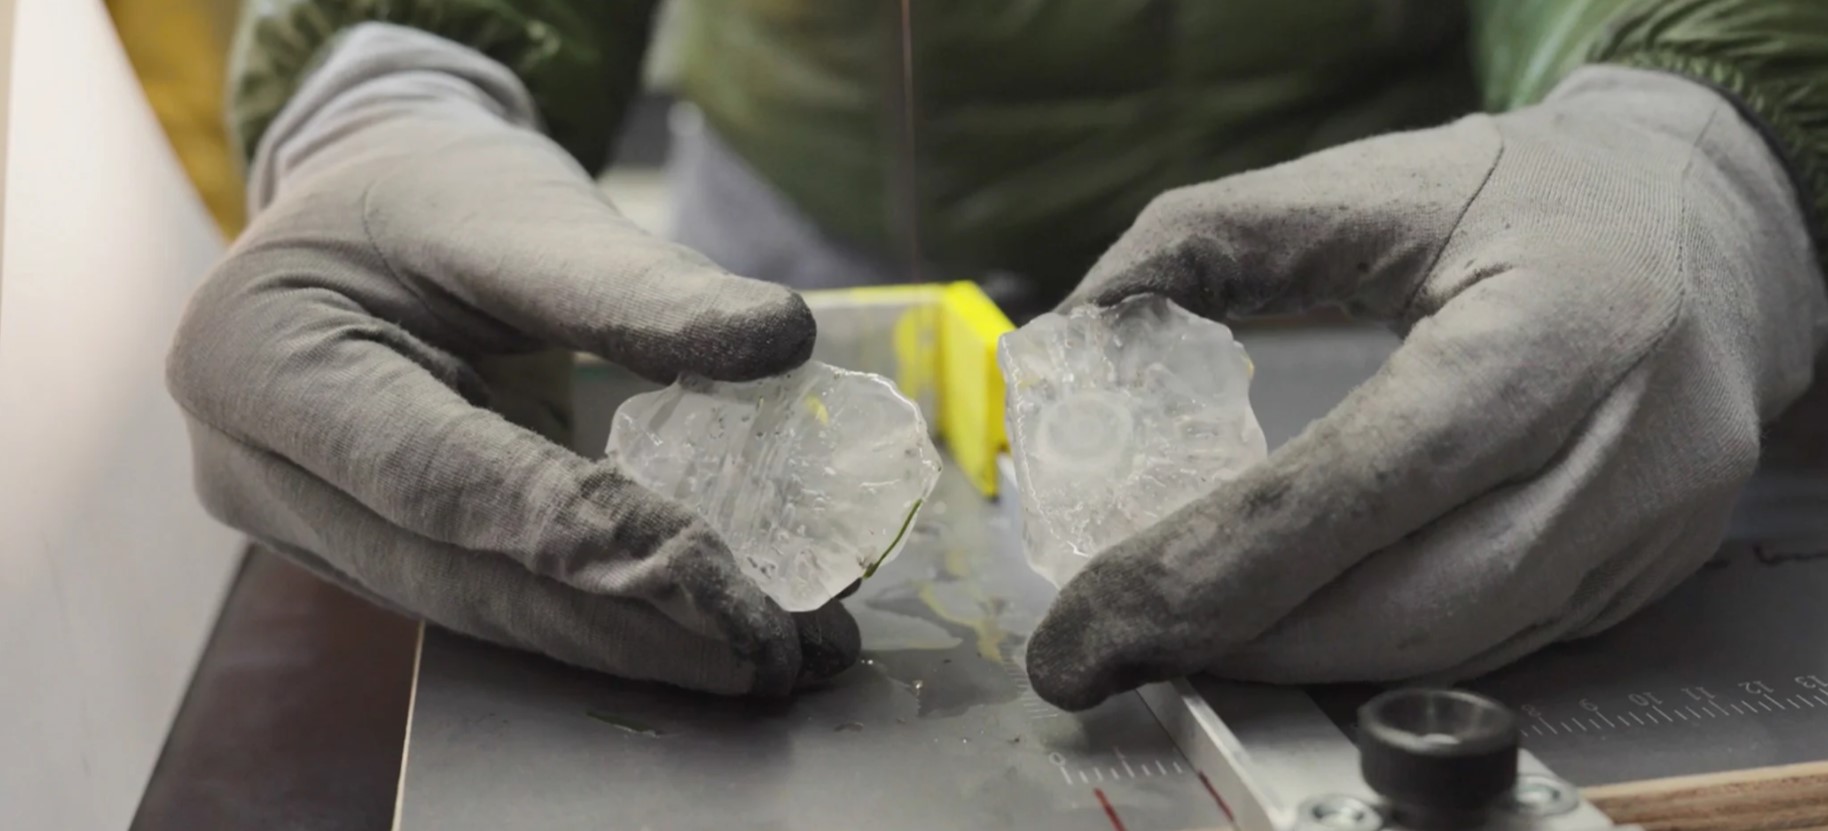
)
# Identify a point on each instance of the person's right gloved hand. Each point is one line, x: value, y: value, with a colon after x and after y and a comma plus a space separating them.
x: 1603, y: 298
x: 410, y: 224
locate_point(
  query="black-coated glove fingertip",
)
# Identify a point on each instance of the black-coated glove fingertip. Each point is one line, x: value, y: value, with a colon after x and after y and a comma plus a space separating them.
x: 830, y: 643
x: 1060, y: 669
x: 768, y: 339
x: 1083, y: 652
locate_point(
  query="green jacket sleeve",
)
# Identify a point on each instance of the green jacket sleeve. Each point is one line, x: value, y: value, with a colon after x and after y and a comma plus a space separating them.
x: 1772, y: 55
x: 580, y: 59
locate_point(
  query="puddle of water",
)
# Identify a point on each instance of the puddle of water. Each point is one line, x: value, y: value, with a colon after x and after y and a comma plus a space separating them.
x: 948, y: 680
x: 934, y: 627
x: 890, y: 632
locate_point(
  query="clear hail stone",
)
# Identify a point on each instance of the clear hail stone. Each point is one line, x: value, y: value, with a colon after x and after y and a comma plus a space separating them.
x: 1118, y: 416
x: 812, y: 478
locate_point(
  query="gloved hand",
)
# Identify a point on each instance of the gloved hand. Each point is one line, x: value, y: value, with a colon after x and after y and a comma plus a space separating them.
x: 1602, y: 297
x: 411, y: 225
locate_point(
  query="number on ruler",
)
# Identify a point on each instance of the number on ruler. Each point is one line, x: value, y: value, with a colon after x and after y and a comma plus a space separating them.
x: 1698, y: 693
x: 1588, y: 705
x: 1532, y: 711
x: 1755, y: 687
x: 1644, y: 699
x: 1811, y: 682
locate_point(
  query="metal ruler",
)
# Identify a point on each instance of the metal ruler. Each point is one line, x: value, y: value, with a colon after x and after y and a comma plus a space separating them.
x: 1728, y: 673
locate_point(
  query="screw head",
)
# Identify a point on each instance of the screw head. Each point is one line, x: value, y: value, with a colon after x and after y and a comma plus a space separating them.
x: 1340, y: 813
x: 1542, y: 796
x: 1437, y: 752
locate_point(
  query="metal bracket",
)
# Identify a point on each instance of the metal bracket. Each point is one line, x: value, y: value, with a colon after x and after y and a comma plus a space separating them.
x: 1278, y: 763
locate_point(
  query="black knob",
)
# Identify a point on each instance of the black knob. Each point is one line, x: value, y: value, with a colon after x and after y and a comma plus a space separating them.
x: 1439, y: 757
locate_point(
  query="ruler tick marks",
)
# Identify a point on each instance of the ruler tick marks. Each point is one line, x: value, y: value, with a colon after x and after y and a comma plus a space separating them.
x: 1737, y: 709
x: 1634, y: 717
x: 1692, y: 712
x: 1779, y: 704
x: 1664, y: 715
x: 1720, y: 708
x: 1083, y: 779
x: 1596, y: 725
x: 1819, y: 697
x: 1607, y: 720
x: 1067, y: 776
x: 1764, y: 705
x: 1159, y: 765
x: 1795, y: 699
x: 1178, y: 768
x: 1100, y: 774
x: 1583, y: 727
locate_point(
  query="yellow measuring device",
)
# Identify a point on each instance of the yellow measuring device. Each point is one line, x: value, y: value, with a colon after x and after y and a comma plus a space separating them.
x: 944, y: 341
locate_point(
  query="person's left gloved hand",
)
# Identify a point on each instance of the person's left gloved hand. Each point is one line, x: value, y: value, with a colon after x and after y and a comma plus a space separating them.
x: 343, y: 373
x: 1603, y: 298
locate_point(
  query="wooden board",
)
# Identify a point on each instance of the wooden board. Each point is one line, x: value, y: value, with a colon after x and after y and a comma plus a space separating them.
x: 1783, y: 798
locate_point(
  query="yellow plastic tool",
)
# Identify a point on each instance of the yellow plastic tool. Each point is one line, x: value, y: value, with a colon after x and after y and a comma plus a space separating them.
x: 970, y: 384
x: 945, y: 339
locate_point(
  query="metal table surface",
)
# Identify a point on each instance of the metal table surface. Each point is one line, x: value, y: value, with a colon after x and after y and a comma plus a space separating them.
x: 937, y: 729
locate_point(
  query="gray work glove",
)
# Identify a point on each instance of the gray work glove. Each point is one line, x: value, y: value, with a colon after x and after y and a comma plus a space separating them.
x: 1602, y: 298
x: 411, y: 225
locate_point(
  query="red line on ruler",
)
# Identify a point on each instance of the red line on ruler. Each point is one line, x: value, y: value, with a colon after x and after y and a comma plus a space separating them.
x: 1108, y: 810
x: 1216, y: 798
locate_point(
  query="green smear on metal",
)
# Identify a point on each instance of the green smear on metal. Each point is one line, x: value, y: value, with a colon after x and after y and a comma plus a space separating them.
x: 906, y: 522
x: 623, y: 724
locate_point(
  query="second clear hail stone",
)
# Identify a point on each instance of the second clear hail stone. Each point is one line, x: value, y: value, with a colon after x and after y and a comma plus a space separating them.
x: 1117, y: 417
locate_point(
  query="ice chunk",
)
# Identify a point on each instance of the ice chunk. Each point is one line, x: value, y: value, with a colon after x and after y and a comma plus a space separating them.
x: 812, y: 478
x: 1117, y: 417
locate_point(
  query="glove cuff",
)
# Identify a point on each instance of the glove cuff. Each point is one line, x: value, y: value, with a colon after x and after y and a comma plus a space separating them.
x: 375, y: 74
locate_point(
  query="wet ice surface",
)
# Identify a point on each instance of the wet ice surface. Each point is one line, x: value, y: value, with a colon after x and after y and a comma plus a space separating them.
x: 1117, y: 417
x: 812, y: 478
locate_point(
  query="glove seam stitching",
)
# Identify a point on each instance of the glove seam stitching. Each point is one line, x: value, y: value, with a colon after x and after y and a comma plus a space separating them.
x: 380, y: 254
x: 1770, y: 114
x: 248, y: 445
x: 1405, y: 310
x: 366, y: 201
